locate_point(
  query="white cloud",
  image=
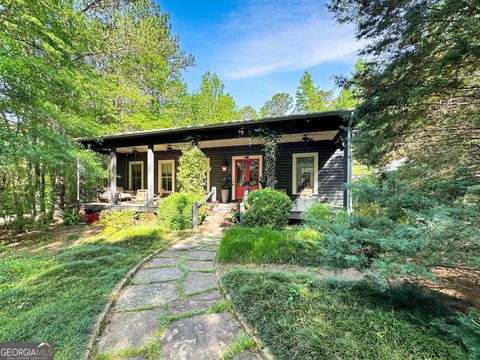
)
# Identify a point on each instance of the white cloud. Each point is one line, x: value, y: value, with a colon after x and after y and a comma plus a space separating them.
x: 267, y: 36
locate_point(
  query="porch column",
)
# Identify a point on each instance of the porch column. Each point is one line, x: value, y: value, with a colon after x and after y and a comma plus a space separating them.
x: 150, y: 175
x: 113, y: 175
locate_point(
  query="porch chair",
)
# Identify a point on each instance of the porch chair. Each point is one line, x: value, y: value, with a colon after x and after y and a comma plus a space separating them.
x: 141, y: 196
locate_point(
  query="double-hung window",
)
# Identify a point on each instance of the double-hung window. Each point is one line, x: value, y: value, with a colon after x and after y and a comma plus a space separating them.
x: 166, y: 176
x: 305, y: 173
x: 135, y: 172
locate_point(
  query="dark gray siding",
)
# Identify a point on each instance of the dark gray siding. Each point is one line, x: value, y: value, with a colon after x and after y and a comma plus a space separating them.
x: 330, y: 165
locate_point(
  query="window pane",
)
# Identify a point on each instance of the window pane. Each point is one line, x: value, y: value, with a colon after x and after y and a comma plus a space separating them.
x: 253, y: 181
x: 305, y: 173
x: 136, y: 170
x: 241, y: 173
x: 164, y: 184
x: 166, y: 169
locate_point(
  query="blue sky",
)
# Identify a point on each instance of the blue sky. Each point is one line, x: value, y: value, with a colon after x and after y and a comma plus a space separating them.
x: 261, y: 47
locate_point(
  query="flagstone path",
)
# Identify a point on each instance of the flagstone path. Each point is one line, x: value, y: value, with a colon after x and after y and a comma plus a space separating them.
x: 172, y: 307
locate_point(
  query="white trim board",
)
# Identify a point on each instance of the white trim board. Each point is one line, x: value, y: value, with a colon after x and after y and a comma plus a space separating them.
x: 209, y: 169
x: 295, y: 156
x: 159, y: 163
x: 130, y: 182
x: 234, y: 179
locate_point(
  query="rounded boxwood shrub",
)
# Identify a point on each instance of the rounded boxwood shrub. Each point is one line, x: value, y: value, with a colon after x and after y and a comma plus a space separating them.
x: 267, y: 208
x: 175, y: 212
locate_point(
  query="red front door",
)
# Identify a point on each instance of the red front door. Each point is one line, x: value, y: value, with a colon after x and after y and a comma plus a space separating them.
x: 246, y: 174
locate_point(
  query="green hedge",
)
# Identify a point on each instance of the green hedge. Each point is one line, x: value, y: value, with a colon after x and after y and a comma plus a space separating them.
x: 267, y: 208
x: 175, y: 212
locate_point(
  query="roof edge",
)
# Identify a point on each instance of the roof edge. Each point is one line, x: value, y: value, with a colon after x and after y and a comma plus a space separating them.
x: 341, y: 112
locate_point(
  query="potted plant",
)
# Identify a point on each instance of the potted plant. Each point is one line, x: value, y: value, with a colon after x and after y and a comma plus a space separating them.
x: 226, y: 189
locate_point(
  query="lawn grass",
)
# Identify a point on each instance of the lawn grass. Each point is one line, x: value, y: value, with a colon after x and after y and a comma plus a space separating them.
x: 301, y: 317
x: 298, y: 246
x: 51, y: 291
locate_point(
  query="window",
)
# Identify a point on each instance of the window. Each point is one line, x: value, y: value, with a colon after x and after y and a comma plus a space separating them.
x: 135, y: 175
x: 305, y: 173
x: 166, y: 176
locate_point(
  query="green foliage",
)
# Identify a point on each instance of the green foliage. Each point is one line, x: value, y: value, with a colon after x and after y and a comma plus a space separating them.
x: 70, y: 217
x: 399, y: 230
x: 175, y: 212
x: 114, y: 220
x: 192, y: 171
x: 310, y: 98
x: 72, y: 69
x: 267, y: 208
x: 280, y: 104
x: 211, y: 103
x: 241, y: 344
x: 318, y: 216
x: 247, y: 112
x: 269, y: 141
x: 419, y: 87
x: 299, y: 316
x: 56, y: 292
x: 259, y: 245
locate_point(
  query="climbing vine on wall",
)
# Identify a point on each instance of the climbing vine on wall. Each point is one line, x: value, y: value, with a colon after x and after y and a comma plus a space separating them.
x: 269, y: 139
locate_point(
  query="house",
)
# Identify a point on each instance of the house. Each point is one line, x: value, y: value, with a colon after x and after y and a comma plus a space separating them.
x: 313, y: 158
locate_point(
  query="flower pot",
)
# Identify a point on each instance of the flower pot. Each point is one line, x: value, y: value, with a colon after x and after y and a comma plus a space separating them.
x: 225, y: 193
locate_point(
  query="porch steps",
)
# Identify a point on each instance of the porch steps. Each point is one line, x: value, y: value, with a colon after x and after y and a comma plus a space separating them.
x: 219, y: 220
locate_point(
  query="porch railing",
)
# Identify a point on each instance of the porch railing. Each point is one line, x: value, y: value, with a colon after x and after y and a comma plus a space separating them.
x: 212, y: 194
x: 242, y: 205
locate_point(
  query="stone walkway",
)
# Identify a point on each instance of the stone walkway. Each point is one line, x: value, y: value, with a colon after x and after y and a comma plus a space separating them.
x: 173, y: 309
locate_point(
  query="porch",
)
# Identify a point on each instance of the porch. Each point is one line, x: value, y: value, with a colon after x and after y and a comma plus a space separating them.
x: 311, y: 155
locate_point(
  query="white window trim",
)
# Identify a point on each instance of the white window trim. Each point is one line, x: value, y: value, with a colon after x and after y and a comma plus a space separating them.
x: 294, y: 171
x: 234, y: 179
x: 208, y: 175
x: 130, y: 180
x: 160, y: 162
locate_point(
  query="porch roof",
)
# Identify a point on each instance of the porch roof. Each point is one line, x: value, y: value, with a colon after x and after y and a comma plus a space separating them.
x: 290, y: 124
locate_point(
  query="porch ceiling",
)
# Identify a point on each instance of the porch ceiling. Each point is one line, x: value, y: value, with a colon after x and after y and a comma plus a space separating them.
x: 225, y: 134
x: 315, y: 136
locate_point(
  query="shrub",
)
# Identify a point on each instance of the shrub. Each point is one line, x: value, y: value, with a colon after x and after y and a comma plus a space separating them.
x: 192, y: 171
x: 260, y: 245
x: 175, y: 212
x: 113, y: 220
x: 267, y: 208
x: 71, y: 217
x: 317, y: 216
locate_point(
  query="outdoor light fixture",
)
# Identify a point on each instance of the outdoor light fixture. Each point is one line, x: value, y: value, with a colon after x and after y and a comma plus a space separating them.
x: 225, y: 168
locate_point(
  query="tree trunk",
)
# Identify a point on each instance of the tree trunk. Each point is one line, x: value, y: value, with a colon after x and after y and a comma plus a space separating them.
x: 60, y: 204
x: 36, y: 176
x: 53, y: 195
x: 41, y: 193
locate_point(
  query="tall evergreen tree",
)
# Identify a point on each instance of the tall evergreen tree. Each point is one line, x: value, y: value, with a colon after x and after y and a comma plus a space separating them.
x: 310, y: 98
x: 420, y: 87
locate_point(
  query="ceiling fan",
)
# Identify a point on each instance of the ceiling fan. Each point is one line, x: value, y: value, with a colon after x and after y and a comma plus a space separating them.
x: 306, y: 139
